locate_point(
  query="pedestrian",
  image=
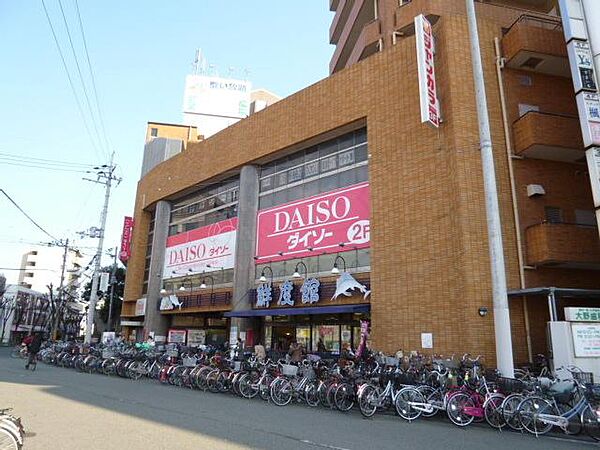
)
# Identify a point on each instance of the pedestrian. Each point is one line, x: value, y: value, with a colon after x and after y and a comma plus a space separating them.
x: 296, y: 352
x: 260, y: 352
x: 321, y: 346
x: 33, y: 348
x: 239, y: 348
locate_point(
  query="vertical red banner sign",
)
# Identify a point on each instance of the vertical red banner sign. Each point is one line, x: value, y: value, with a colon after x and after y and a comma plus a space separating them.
x: 125, y: 252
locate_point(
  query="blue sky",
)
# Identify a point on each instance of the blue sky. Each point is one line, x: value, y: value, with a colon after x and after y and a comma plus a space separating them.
x: 140, y: 52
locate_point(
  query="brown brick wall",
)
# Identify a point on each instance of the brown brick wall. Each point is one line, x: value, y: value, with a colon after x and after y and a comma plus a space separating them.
x: 528, y: 36
x: 549, y: 130
x: 557, y: 242
x: 430, y: 261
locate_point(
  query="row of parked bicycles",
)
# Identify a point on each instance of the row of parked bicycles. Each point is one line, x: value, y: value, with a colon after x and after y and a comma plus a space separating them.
x: 413, y: 387
x: 11, y: 431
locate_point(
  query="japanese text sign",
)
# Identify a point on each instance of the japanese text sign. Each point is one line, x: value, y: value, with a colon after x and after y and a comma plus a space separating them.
x: 574, y: 314
x: 430, y: 106
x: 125, y: 251
x: 193, y: 251
x: 315, y: 225
x: 586, y: 340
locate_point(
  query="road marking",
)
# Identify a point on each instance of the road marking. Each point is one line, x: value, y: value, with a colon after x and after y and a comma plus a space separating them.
x: 317, y: 444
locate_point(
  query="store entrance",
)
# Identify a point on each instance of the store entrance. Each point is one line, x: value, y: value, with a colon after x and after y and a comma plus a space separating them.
x: 283, y: 337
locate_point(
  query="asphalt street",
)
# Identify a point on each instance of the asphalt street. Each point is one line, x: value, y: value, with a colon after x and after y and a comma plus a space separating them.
x: 64, y: 409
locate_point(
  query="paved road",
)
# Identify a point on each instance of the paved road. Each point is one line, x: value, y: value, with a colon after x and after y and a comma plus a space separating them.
x: 65, y: 410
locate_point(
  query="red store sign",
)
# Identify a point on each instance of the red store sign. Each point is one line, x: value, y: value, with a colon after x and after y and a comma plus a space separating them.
x: 319, y: 223
x: 125, y: 251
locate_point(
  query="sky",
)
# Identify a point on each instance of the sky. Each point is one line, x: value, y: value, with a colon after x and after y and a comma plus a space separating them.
x: 139, y: 52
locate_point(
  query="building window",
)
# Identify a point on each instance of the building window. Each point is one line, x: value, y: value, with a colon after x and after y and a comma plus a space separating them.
x: 553, y: 214
x: 154, y: 132
x: 322, y: 168
x: 585, y: 217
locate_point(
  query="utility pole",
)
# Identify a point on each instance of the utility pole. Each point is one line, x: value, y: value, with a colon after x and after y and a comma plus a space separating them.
x: 504, y: 353
x: 106, y: 177
x: 60, y: 300
x: 113, y: 280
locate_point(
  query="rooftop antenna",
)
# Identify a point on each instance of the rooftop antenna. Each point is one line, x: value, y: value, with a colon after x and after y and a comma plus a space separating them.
x: 199, y: 64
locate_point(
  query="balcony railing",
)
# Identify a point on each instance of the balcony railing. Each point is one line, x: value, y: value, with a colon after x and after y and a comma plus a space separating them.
x: 563, y: 244
x: 548, y: 136
x: 536, y: 44
x: 205, y: 302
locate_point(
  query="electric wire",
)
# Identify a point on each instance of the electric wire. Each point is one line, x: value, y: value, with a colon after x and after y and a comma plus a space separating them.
x: 43, y: 160
x: 58, y: 169
x: 87, y: 98
x: 62, y: 57
x: 89, y: 63
x: 27, y: 215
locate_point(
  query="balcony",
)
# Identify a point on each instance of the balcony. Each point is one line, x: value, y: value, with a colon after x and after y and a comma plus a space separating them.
x: 339, y: 21
x: 205, y: 302
x: 404, y: 16
x: 536, y: 44
x: 367, y: 43
x: 563, y: 245
x: 548, y: 136
x: 361, y: 13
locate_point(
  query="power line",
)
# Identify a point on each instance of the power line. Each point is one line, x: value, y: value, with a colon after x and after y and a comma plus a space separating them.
x: 87, y: 55
x: 59, y: 169
x: 26, y: 215
x: 87, y: 99
x: 43, y: 160
x: 62, y: 57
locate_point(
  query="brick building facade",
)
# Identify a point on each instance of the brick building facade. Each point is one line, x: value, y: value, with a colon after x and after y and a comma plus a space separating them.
x: 428, y: 267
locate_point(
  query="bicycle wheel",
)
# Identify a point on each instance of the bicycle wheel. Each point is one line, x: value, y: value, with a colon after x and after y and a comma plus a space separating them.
x: 8, y: 441
x: 246, y: 386
x: 367, y: 400
x: 344, y: 397
x: 529, y: 411
x: 431, y: 396
x: 405, y: 401
x: 510, y: 411
x: 264, y: 387
x: 211, y: 381
x: 330, y: 395
x: 281, y: 393
x: 492, y: 411
x: 455, y: 409
x: 575, y: 425
x: 590, y: 418
x: 311, y: 393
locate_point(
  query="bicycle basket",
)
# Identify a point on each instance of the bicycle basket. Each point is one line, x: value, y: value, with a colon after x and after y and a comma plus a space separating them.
x: 190, y: 361
x: 106, y: 353
x: 584, y: 377
x: 390, y: 361
x: 289, y: 370
x: 510, y: 385
x: 172, y: 353
x: 237, y: 366
x: 592, y: 393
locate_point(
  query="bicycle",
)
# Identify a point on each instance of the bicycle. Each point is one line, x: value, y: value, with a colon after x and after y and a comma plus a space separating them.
x: 539, y: 413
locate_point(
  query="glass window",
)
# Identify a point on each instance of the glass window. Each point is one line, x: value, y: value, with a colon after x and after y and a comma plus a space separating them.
x: 361, y: 153
x: 282, y: 179
x: 268, y: 336
x: 328, y: 164
x: 346, y: 334
x: 346, y: 158
x: 347, y: 178
x: 266, y: 184
x: 327, y: 148
x: 362, y: 173
x: 295, y: 193
x: 295, y: 174
x: 154, y: 132
x: 311, y: 169
x: 329, y: 336
x: 328, y: 183
x: 265, y: 201
x: 190, y: 226
x: 303, y: 335
x: 311, y: 188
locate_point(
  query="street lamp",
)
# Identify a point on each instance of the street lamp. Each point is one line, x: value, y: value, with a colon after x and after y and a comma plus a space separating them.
x: 263, y: 278
x: 297, y: 274
x: 335, y: 269
x: 212, y: 285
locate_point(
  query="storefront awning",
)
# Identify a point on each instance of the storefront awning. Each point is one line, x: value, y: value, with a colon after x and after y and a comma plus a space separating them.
x: 337, y: 309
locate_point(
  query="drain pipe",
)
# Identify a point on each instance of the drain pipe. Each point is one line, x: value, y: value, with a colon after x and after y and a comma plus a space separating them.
x: 513, y: 190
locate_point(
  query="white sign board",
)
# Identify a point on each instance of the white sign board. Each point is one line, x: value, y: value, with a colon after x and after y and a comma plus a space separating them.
x: 108, y: 337
x: 104, y: 278
x: 572, y: 19
x: 582, y: 66
x: 593, y: 162
x: 586, y: 340
x: 588, y: 106
x: 430, y: 106
x: 196, y: 337
x: 426, y: 340
x: 573, y: 314
x: 140, y: 306
x: 176, y: 337
x: 217, y: 96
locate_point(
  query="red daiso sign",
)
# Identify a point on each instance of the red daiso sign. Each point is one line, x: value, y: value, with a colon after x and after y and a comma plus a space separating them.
x: 430, y: 106
x: 315, y: 225
x: 195, y: 250
x: 125, y: 251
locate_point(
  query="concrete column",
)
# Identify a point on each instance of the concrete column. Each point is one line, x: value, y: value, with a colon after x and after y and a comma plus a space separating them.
x: 154, y: 320
x: 243, y: 277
